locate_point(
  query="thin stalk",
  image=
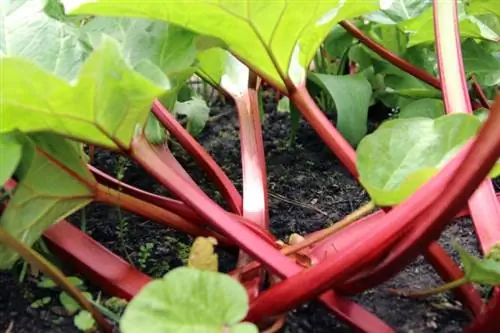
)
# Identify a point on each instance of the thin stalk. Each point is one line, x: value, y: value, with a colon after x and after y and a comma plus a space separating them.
x: 487, y: 321
x: 266, y: 253
x: 100, y: 266
x: 431, y: 291
x: 172, y: 205
x: 479, y: 92
x: 391, y: 57
x: 427, y: 210
x: 255, y: 196
x: 116, y: 198
x: 315, y: 237
x: 36, y: 260
x: 483, y: 206
x: 214, y: 171
x: 322, y: 125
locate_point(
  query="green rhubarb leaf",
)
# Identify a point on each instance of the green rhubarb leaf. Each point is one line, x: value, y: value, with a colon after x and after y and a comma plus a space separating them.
x: 392, y: 12
x: 196, y: 111
x: 169, y: 47
x: 426, y: 108
x: 421, y: 28
x: 27, y: 31
x: 104, y: 106
x: 478, y: 61
x: 351, y: 94
x: 278, y: 39
x: 56, y: 184
x: 483, y: 271
x: 401, y: 10
x: 484, y: 7
x: 188, y: 300
x: 222, y: 69
x: 10, y: 156
x: 402, y: 154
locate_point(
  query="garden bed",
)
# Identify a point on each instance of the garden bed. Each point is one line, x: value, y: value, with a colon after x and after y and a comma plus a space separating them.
x: 308, y: 189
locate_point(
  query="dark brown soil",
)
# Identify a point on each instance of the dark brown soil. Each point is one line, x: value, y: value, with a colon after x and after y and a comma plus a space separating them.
x: 305, y: 174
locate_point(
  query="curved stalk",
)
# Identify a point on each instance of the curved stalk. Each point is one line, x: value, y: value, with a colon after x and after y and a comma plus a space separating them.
x: 99, y: 265
x: 35, y: 259
x: 113, y: 197
x: 228, y: 191
x: 483, y: 206
x: 427, y: 210
x: 391, y: 57
x: 487, y: 321
x: 431, y: 291
x: 322, y: 125
x: 249, y: 242
x: 480, y: 92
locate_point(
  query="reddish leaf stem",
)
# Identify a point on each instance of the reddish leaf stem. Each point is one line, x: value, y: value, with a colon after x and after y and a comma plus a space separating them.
x: 228, y: 191
x: 322, y: 125
x: 249, y: 242
x: 113, y: 197
x: 480, y: 92
x: 391, y: 57
x: 483, y: 206
x: 427, y: 210
x: 487, y: 321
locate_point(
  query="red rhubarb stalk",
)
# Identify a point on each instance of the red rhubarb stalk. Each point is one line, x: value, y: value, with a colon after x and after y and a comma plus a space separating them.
x: 427, y: 210
x: 228, y: 191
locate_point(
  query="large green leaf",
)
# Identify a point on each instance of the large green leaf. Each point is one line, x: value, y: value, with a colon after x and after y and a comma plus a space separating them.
x: 169, y: 47
x: 351, y: 94
x: 277, y: 38
x: 398, y: 10
x: 477, y: 60
x: 221, y: 68
x: 484, y: 271
x: 425, y: 107
x: 484, y: 7
x: 402, y: 154
x: 56, y: 184
x: 10, y: 156
x: 189, y: 301
x: 26, y: 31
x: 105, y: 105
x: 421, y: 28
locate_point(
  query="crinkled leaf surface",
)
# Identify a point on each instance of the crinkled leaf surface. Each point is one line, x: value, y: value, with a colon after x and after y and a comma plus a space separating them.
x: 394, y: 11
x: 202, y: 255
x: 402, y: 154
x: 197, y: 111
x: 189, y: 301
x: 56, y: 184
x: 10, y: 156
x: 222, y: 69
x: 274, y: 37
x: 421, y: 28
x: 425, y: 107
x: 484, y: 271
x: 105, y: 105
x: 26, y: 31
x: 477, y: 60
x: 169, y: 47
x: 351, y: 94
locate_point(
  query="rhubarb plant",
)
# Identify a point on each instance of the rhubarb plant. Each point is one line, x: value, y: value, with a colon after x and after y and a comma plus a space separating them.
x: 108, y: 73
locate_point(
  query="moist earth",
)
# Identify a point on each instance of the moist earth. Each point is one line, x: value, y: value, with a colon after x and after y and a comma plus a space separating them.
x: 308, y: 189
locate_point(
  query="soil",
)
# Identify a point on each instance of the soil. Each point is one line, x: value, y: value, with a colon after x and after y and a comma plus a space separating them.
x: 309, y: 188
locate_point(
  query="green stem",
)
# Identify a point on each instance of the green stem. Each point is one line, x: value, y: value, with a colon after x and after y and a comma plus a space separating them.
x: 431, y: 291
x: 35, y: 259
